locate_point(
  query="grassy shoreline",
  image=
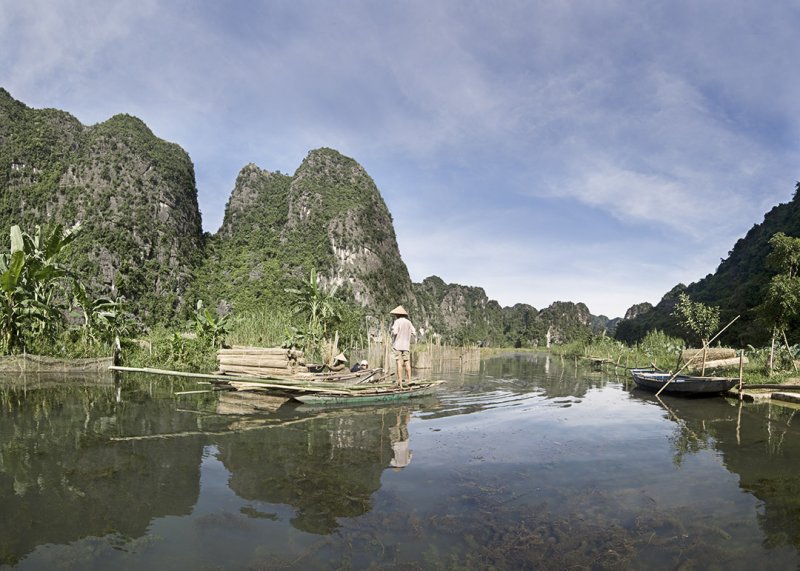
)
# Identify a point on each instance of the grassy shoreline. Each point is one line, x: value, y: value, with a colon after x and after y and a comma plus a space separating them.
x: 663, y: 351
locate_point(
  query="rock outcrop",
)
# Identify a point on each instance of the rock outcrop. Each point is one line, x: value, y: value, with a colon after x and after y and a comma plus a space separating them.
x: 134, y: 194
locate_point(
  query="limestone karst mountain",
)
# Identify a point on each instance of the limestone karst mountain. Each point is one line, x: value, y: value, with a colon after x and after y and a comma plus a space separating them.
x: 136, y: 198
x: 329, y: 216
x: 134, y: 194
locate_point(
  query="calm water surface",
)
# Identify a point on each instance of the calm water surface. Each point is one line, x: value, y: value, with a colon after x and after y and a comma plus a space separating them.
x: 527, y: 464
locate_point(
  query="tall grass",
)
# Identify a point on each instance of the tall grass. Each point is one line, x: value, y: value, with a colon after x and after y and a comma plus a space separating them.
x: 181, y: 349
x: 656, y: 348
x: 664, y: 351
x: 261, y: 328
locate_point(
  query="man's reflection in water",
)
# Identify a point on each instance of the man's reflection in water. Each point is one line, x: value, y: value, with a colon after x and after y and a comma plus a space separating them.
x: 398, y: 434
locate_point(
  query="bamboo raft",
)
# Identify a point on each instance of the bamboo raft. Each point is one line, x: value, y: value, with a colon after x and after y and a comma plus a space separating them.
x: 283, y: 374
x: 281, y: 363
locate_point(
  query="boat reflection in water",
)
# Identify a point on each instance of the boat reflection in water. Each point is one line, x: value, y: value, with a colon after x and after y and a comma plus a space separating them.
x: 760, y: 443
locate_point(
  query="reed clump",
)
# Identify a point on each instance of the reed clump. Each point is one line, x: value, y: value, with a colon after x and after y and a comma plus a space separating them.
x: 760, y: 365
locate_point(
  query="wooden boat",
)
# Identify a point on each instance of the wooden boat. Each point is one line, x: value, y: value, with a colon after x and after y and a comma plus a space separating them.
x: 654, y: 380
x: 371, y: 395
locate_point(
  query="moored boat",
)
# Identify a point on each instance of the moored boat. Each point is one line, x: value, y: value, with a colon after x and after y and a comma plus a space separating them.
x: 371, y: 395
x: 655, y: 380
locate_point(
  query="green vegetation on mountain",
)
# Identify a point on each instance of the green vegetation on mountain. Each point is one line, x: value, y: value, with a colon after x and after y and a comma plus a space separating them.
x: 244, y: 266
x: 737, y: 287
x: 522, y: 327
x: 328, y: 218
x: 133, y: 193
x: 567, y: 321
x: 459, y: 314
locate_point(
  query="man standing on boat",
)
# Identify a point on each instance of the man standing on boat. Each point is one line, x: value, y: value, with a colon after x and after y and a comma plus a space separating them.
x: 402, y: 331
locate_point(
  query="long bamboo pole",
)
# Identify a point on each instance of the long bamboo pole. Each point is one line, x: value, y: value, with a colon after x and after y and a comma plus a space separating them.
x: 247, y: 385
x: 789, y: 349
x: 741, y: 373
x: 709, y: 342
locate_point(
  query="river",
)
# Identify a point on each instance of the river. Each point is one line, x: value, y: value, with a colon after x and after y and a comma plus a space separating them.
x: 528, y: 463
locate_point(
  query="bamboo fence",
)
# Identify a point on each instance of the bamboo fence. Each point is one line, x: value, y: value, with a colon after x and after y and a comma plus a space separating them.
x: 429, y: 356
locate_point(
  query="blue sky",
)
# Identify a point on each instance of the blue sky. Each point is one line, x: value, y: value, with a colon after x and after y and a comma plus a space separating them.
x: 594, y: 151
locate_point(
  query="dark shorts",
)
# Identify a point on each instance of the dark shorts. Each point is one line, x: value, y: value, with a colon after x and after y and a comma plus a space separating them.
x: 404, y: 356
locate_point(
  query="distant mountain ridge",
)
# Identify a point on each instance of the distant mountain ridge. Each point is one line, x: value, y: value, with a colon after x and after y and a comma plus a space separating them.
x: 737, y: 287
x: 137, y: 198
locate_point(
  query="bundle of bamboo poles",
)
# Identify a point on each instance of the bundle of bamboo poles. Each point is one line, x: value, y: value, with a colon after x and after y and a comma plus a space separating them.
x: 714, y: 357
x: 261, y: 361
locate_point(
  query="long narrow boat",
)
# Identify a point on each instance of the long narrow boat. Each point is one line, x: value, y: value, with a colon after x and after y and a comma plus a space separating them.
x: 378, y: 394
x: 654, y: 380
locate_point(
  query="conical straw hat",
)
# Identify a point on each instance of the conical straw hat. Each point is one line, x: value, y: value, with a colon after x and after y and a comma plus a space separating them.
x: 398, y: 311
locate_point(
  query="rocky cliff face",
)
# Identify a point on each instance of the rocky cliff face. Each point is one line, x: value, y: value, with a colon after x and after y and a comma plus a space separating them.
x: 134, y: 194
x: 638, y: 309
x: 335, y: 205
x: 459, y: 313
x: 328, y: 216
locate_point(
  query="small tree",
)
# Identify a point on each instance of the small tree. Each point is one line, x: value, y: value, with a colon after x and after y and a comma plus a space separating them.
x: 782, y: 299
x: 697, y: 319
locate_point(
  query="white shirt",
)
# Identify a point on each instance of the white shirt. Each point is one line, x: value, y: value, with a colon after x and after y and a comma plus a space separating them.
x: 402, y: 330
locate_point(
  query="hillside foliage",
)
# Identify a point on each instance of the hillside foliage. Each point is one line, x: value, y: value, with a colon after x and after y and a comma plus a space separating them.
x: 133, y: 194
x: 738, y: 287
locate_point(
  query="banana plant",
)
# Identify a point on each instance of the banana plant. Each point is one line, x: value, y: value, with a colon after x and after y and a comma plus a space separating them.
x: 211, y: 327
x: 103, y: 318
x: 318, y: 307
x: 12, y: 312
x: 29, y: 278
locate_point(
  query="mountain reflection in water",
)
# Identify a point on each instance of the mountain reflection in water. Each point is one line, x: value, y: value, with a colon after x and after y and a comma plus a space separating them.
x: 760, y: 443
x: 326, y: 467
x: 530, y: 462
